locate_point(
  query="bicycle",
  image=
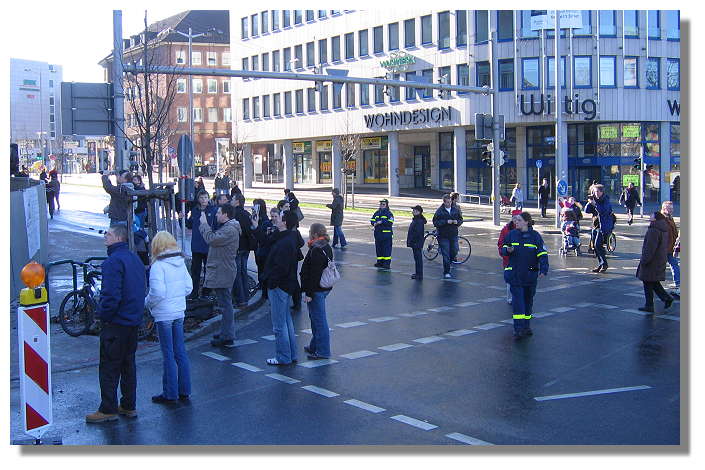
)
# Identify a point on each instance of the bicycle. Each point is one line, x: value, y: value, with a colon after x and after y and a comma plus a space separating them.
x: 431, y: 248
x: 78, y: 308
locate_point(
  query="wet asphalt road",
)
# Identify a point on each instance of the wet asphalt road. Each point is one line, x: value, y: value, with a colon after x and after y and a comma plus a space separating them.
x: 422, y: 363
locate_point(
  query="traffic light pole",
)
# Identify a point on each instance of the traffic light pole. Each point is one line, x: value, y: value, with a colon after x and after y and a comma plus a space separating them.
x: 641, y: 180
x: 495, y: 133
x: 118, y: 94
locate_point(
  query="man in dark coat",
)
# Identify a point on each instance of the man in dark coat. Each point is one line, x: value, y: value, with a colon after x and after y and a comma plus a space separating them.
x: 447, y: 219
x: 120, y: 202
x: 652, y: 265
x: 121, y: 310
x: 630, y: 199
x: 414, y: 240
x: 248, y: 242
x: 336, y: 218
x: 599, y: 206
x: 544, y: 195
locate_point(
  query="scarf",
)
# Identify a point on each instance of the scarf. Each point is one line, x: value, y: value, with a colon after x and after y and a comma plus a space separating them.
x: 311, y: 242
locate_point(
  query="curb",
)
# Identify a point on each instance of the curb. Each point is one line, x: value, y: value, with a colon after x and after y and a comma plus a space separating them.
x: 212, y: 324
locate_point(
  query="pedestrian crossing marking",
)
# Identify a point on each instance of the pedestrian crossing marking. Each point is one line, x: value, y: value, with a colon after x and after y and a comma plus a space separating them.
x: 358, y: 354
x: 592, y: 392
x: 283, y: 378
x: 395, y: 347
x: 562, y: 309
x: 268, y: 337
x: 317, y: 363
x: 320, y: 391
x: 467, y: 439
x: 351, y: 324
x: 584, y: 304
x: 542, y: 315
x: 461, y: 332
x: 364, y: 406
x: 215, y: 356
x: 383, y: 319
x: 605, y: 306
x: 246, y: 366
x: 440, y: 309
x: 414, y: 422
x: 240, y: 342
x: 488, y: 326
x: 635, y: 294
x: 467, y: 304
x: 428, y: 339
x: 638, y: 312
x: 307, y: 331
x: 491, y: 299
x: 413, y: 314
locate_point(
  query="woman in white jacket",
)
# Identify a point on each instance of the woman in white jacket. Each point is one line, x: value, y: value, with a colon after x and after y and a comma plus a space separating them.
x: 169, y: 284
x: 517, y: 197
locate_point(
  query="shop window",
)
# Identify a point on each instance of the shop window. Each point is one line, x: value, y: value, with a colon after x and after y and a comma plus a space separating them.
x: 446, y: 159
x: 608, y: 25
x: 409, y: 33
x: 673, y: 74
x: 481, y: 26
x: 506, y: 75
x: 631, y: 72
x: 631, y: 23
x: 505, y: 25
x: 530, y: 73
x: 444, y: 30
x: 393, y: 36
x: 608, y: 71
x: 652, y: 141
x: 653, y: 73
x: 551, y: 72
x: 461, y: 28
x: 582, y: 71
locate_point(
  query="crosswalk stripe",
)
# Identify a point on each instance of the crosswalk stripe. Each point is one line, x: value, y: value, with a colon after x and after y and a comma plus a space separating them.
x: 246, y: 366
x: 467, y: 439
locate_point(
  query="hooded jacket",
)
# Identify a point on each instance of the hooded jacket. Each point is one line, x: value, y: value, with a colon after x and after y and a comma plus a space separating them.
x: 529, y: 258
x: 123, y: 286
x: 415, y: 235
x: 654, y: 252
x: 312, y: 268
x: 169, y: 284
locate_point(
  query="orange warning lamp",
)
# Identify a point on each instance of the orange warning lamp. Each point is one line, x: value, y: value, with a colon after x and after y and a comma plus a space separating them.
x: 33, y: 274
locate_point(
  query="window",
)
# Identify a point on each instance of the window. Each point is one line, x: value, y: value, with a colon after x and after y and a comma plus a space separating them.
x: 181, y: 114
x: 463, y: 76
x: 298, y: 16
x: 254, y: 25
x: 393, y: 36
x: 51, y: 83
x: 582, y: 71
x: 265, y: 106
x: 212, y: 85
x: 335, y: 48
x: 551, y: 72
x: 265, y: 21
x: 506, y: 74
x: 196, y: 58
x: 505, y: 25
x: 277, y: 100
x: 379, y: 94
x: 245, y: 62
x: 526, y: 31
x: 631, y: 23
x: 180, y: 57
x: 243, y: 28
x: 608, y: 70
x: 377, y: 39
x: 212, y: 114
x: 349, y: 46
x: 426, y: 30
x: 275, y: 20
x: 212, y: 59
x: 394, y: 90
x: 364, y: 94
x: 197, y: 115
x: 481, y: 26
x: 362, y: 43
x: 322, y: 51
x: 337, y: 96
x: 673, y: 74
x: 653, y: 73
x: 310, y: 54
x: 299, y: 101
x: 181, y: 85
x: 287, y: 18
x: 444, y: 30
x: 265, y: 62
x: 482, y: 70
x: 227, y: 115
x: 461, y: 28
x: 287, y: 59
x: 427, y: 77
x: 410, y: 91
x: 675, y: 140
x: 276, y: 64
x: 631, y: 72
x: 225, y: 58
x: 445, y: 157
x: 530, y: 74
x: 299, y: 56
x: 350, y: 95
x: 226, y: 85
x: 608, y: 27
x: 673, y: 25
x: 321, y: 14
x: 197, y: 85
x: 255, y: 107
x: 654, y: 24
x: 255, y: 62
x: 324, y: 98
x: 311, y: 99
x: 309, y: 15
x: 586, y: 30
x: 287, y: 103
x: 409, y: 32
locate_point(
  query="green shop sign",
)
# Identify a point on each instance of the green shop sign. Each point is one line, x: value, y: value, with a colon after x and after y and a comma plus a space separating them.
x: 631, y: 131
x: 626, y: 179
x: 608, y: 132
x: 398, y: 61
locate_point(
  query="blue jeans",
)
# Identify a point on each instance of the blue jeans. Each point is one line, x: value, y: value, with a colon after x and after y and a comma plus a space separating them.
x: 177, y: 370
x: 600, y: 249
x: 240, y: 287
x: 675, y: 269
x: 338, y: 234
x: 282, y: 326
x: 320, y: 342
x: 449, y: 250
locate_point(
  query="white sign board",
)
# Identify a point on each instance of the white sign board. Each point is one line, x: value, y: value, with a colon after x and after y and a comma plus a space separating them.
x: 546, y: 19
x: 31, y: 215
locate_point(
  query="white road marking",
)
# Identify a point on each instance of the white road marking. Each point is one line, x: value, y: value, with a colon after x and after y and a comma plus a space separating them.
x: 542, y: 315
x: 395, y: 347
x: 593, y: 392
x: 605, y: 306
x: 246, y: 366
x: 467, y: 439
x: 496, y: 288
x: 320, y: 391
x: 413, y: 314
x: 364, y: 406
x: 476, y: 284
x: 317, y: 363
x: 467, y: 304
x: 488, y: 326
x: 562, y: 309
x: 638, y: 312
x: 414, y: 422
x: 451, y: 280
x: 558, y: 287
x: 510, y: 321
x: 215, y: 356
x: 491, y: 299
x: 584, y: 304
x: 462, y: 332
x: 241, y: 342
x: 269, y: 337
x: 559, y: 277
x: 358, y: 354
x: 283, y: 378
x: 428, y: 339
x: 635, y: 294
x: 351, y: 324
x: 307, y: 331
x: 383, y: 319
x: 440, y: 309
x: 669, y: 317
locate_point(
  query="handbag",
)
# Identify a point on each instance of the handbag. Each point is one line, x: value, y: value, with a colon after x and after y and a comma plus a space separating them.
x: 330, y: 274
x: 299, y: 214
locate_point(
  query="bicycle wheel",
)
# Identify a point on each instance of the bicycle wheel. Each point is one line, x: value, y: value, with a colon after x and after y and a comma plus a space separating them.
x: 464, y: 250
x: 147, y: 326
x: 430, y: 247
x: 611, y: 243
x: 75, y: 313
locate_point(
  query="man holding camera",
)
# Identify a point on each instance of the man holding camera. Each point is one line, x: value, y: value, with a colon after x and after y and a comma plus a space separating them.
x: 119, y: 200
x: 599, y: 206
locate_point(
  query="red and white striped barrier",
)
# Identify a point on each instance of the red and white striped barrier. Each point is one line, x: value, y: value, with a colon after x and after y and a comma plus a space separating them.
x: 35, y: 362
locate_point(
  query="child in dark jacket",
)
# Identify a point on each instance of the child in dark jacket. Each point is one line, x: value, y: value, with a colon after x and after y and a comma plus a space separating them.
x: 414, y: 240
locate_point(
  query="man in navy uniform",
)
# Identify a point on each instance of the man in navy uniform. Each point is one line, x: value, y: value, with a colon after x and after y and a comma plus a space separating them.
x: 382, y: 222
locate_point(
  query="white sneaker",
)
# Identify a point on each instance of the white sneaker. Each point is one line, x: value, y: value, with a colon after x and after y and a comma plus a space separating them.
x: 446, y: 276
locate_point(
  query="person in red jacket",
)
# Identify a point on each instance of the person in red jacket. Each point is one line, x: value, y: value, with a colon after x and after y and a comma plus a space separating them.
x: 505, y: 259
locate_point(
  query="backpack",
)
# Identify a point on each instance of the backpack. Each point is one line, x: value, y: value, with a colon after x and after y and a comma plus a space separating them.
x: 330, y: 275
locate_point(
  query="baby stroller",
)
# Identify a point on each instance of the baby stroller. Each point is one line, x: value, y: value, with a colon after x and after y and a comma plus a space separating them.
x: 571, y: 234
x: 505, y: 205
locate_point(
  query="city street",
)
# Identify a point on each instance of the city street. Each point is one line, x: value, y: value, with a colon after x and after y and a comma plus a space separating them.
x: 422, y: 363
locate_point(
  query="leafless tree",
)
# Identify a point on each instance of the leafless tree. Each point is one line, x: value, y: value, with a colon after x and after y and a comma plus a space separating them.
x: 233, y: 161
x: 350, y: 147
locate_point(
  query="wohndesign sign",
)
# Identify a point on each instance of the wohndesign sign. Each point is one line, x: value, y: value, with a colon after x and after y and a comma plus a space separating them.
x: 398, y: 61
x: 434, y: 115
x: 587, y: 107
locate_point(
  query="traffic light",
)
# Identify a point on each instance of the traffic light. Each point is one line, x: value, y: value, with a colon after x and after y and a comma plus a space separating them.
x: 487, y: 155
x: 637, y: 164
x: 501, y: 157
x: 131, y: 155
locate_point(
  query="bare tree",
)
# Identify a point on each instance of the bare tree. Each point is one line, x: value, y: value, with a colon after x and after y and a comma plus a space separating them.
x: 350, y: 146
x: 233, y: 161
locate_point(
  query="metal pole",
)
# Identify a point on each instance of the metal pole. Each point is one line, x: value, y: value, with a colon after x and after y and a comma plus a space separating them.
x: 495, y: 130
x: 560, y: 164
x: 190, y: 96
x: 641, y: 180
x: 118, y: 92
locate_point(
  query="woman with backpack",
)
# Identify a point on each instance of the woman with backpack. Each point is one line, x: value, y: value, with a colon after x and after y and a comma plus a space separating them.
x: 319, y: 255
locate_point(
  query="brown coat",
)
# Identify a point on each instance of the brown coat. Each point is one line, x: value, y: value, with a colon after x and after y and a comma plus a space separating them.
x: 673, y: 232
x: 654, y: 253
x: 221, y: 268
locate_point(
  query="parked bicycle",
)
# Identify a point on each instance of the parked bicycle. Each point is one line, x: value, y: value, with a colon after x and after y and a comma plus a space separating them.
x: 431, y: 248
x: 77, y: 310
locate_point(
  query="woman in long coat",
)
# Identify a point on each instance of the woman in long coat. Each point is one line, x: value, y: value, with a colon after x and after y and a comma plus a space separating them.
x: 652, y: 266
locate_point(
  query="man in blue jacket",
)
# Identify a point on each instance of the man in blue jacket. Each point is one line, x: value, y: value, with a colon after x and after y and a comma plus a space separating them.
x: 382, y: 222
x: 447, y: 219
x: 121, y: 309
x: 599, y: 206
x: 199, y: 247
